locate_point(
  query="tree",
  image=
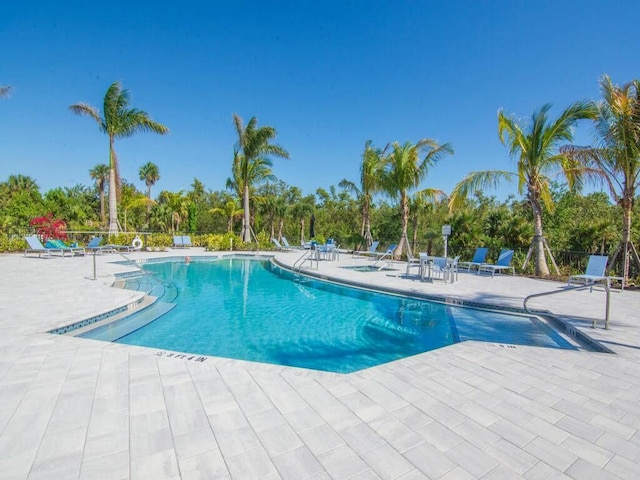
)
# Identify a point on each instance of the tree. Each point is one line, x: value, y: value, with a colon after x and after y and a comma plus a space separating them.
x: 615, y: 157
x: 150, y: 174
x: 230, y: 211
x: 100, y: 174
x: 405, y: 170
x: 5, y: 91
x: 301, y: 209
x: 251, y: 161
x: 535, y: 146
x: 118, y: 121
x: 370, y: 170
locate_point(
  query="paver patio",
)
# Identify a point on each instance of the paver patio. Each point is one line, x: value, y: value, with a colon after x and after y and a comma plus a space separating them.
x: 75, y: 408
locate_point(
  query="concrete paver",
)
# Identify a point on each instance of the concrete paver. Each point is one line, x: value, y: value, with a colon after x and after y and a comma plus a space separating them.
x: 75, y: 408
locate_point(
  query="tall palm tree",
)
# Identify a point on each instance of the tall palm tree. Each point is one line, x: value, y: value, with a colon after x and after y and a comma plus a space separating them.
x: 406, y: 166
x: 4, y: 91
x: 118, y: 121
x: 100, y: 174
x: 370, y: 169
x: 251, y: 161
x: 615, y: 157
x: 150, y: 174
x: 535, y: 146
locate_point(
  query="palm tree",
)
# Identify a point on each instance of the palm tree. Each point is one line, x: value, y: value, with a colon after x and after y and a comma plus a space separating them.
x: 405, y: 170
x: 370, y: 169
x: 422, y: 200
x: 118, y: 121
x: 4, y: 91
x: 100, y: 173
x: 615, y: 158
x: 534, y: 144
x: 150, y: 174
x: 301, y: 209
x: 251, y: 162
x: 230, y: 210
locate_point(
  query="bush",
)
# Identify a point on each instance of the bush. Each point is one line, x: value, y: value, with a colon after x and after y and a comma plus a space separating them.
x: 12, y: 243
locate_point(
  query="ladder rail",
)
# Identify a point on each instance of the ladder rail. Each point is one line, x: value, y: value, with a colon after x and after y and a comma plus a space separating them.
x: 310, y: 255
x: 577, y: 287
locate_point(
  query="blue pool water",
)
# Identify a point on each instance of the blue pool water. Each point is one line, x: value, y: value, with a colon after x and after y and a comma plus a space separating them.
x: 248, y: 309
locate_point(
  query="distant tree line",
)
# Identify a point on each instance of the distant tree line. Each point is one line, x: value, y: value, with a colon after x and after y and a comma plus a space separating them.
x: 388, y: 202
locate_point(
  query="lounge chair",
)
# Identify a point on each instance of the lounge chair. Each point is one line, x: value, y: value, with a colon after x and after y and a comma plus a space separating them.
x: 479, y: 258
x: 277, y: 244
x: 285, y: 243
x: 371, y: 251
x: 384, y: 258
x: 503, y: 263
x: 186, y: 241
x: 35, y: 246
x: 65, y: 248
x: 95, y: 245
x: 177, y: 241
x: 595, y: 272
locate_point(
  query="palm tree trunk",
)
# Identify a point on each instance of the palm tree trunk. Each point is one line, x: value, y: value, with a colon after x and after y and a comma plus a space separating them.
x: 102, y: 218
x: 148, y: 204
x: 541, y: 268
x: 404, y: 210
x: 246, y: 228
x: 113, y: 204
x: 366, y: 220
x: 280, y: 227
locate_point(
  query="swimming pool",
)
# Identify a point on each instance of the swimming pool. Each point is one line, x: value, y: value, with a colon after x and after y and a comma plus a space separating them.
x: 248, y: 309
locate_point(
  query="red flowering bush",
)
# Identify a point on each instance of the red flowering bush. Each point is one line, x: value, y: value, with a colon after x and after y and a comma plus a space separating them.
x: 48, y: 227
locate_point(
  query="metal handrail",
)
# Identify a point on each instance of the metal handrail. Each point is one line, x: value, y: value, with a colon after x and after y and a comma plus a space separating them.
x: 307, y: 255
x: 578, y: 287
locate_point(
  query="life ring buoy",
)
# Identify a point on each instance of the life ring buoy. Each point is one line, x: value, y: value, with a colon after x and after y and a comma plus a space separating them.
x: 136, y: 243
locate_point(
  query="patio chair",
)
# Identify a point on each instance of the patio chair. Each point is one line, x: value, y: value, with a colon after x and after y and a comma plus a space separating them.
x: 285, y: 243
x: 503, y: 263
x: 277, y: 244
x: 55, y: 243
x: 177, y: 241
x: 479, y: 257
x: 36, y: 246
x: 384, y: 258
x: 370, y: 251
x: 186, y: 241
x: 95, y: 245
x: 595, y: 272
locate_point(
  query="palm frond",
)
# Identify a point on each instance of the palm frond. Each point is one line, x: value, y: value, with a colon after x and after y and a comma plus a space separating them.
x: 476, y: 182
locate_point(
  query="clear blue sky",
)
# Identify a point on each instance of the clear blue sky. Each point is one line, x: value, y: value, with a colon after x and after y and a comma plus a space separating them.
x: 327, y: 75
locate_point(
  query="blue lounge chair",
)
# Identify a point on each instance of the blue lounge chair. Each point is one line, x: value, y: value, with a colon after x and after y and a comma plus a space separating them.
x: 277, y: 244
x: 479, y: 258
x: 182, y: 241
x: 285, y: 243
x: 503, y: 263
x: 35, y: 246
x: 595, y: 272
x: 65, y: 248
x: 384, y: 258
x: 371, y: 251
x: 95, y: 246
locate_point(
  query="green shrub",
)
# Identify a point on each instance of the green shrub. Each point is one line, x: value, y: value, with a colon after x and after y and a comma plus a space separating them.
x: 12, y: 243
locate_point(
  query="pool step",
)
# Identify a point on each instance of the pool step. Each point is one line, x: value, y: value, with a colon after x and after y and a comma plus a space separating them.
x: 112, y: 331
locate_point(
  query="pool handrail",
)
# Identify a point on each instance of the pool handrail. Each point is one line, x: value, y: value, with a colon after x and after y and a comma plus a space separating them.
x: 577, y: 287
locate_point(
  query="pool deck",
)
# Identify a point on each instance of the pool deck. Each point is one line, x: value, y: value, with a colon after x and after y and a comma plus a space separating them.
x: 82, y: 409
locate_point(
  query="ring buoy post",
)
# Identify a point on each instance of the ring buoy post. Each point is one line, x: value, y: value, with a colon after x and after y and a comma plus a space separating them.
x: 136, y: 243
